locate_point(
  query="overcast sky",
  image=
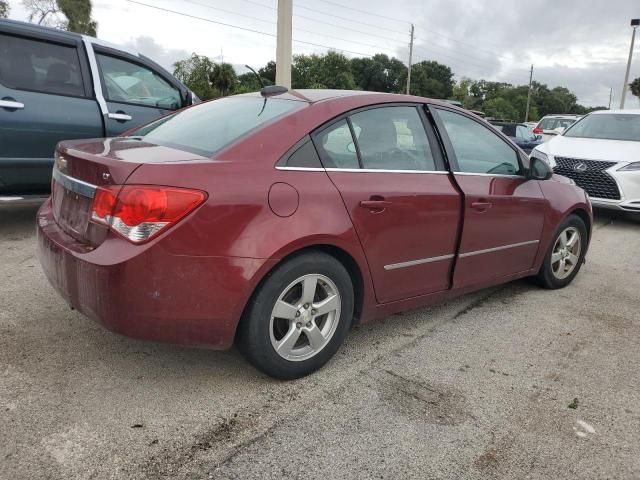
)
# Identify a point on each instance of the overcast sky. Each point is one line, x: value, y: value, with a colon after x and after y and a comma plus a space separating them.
x: 580, y: 44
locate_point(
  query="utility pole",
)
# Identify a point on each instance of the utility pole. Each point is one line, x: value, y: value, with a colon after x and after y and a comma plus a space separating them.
x: 410, y: 60
x: 526, y: 115
x: 634, y: 23
x: 610, y: 96
x: 283, y: 48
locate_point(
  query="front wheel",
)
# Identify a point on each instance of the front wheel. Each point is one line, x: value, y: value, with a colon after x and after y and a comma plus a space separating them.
x: 298, y: 317
x: 566, y: 255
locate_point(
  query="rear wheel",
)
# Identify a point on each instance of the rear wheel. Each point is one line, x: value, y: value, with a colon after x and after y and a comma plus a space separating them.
x: 299, y: 316
x: 566, y: 254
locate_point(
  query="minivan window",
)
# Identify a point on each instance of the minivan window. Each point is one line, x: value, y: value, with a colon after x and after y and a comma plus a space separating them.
x: 40, y: 66
x: 209, y: 127
x: 128, y: 82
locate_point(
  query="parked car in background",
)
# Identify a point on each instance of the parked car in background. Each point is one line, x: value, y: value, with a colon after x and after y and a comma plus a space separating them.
x: 551, y: 125
x: 519, y: 134
x: 276, y: 221
x: 57, y: 85
x: 601, y: 153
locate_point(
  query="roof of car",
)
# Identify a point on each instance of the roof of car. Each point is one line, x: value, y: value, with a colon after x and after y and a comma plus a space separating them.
x: 630, y: 111
x: 34, y: 27
x: 320, y: 95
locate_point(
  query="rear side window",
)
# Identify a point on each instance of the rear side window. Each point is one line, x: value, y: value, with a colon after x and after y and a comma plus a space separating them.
x: 209, y: 127
x: 336, y: 147
x: 128, y: 82
x: 40, y: 66
x: 477, y: 148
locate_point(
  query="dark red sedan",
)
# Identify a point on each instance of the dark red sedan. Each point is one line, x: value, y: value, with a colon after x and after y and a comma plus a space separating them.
x: 279, y: 220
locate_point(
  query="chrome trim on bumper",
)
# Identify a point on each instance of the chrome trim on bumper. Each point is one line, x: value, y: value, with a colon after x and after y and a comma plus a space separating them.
x: 74, y: 185
x: 411, y: 263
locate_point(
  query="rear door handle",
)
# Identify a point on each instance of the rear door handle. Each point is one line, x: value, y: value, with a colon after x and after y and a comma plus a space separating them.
x: 481, y: 205
x: 120, y: 116
x: 11, y: 104
x: 375, y: 204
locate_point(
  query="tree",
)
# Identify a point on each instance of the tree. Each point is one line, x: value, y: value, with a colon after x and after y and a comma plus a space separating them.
x: 71, y: 15
x: 332, y: 70
x: 195, y: 72
x: 501, y: 108
x: 269, y: 72
x: 223, y: 78
x: 379, y: 73
x: 635, y: 87
x: 78, y: 13
x: 4, y: 9
x: 431, y: 79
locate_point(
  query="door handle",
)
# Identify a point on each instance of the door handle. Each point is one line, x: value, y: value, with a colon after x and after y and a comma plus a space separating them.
x: 120, y: 116
x: 375, y: 204
x: 481, y: 206
x: 11, y: 104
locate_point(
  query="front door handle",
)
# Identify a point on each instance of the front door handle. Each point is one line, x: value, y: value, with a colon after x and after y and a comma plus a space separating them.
x: 11, y: 104
x: 481, y: 206
x: 120, y: 116
x: 375, y: 205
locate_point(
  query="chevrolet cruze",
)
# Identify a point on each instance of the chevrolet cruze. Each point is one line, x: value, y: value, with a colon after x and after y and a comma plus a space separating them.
x: 278, y: 219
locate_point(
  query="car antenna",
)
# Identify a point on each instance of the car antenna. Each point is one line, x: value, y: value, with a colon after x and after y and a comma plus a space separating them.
x: 257, y: 76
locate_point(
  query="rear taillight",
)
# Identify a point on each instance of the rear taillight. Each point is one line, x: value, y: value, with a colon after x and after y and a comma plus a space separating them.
x: 537, y: 131
x: 139, y: 212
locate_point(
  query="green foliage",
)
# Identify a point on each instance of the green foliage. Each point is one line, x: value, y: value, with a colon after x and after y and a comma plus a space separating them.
x: 223, y: 78
x: 382, y: 73
x: 379, y: 74
x: 431, y: 79
x: 635, y: 87
x: 4, y: 9
x: 195, y: 72
x: 78, y: 13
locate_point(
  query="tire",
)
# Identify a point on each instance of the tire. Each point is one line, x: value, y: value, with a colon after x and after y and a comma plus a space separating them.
x: 262, y: 334
x: 561, y: 264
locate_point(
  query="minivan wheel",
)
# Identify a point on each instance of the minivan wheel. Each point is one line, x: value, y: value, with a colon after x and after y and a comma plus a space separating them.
x: 298, y: 317
x: 565, y: 255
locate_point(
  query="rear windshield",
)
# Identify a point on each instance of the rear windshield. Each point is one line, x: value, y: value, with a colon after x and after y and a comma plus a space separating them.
x: 553, y: 123
x: 206, y: 129
x: 607, y: 126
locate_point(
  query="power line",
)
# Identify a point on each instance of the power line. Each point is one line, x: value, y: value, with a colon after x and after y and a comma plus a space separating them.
x: 245, y: 29
x: 350, y: 19
x: 366, y: 13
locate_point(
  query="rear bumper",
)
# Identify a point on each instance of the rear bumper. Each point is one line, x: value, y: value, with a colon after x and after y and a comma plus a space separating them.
x: 146, y: 292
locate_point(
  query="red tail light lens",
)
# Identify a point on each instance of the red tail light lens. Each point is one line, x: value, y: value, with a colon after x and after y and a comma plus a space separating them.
x: 139, y: 212
x: 537, y: 131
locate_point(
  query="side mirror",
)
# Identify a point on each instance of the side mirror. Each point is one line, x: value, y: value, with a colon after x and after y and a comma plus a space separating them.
x: 539, y: 169
x: 538, y: 137
x: 351, y: 148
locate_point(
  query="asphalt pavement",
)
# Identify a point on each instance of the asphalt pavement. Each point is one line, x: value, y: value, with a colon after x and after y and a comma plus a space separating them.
x: 510, y: 382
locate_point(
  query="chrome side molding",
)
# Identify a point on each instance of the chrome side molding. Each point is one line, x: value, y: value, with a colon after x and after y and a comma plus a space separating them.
x: 497, y: 249
x: 411, y: 263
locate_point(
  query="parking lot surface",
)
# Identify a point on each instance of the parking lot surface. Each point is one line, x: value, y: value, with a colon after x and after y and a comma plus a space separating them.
x: 510, y: 382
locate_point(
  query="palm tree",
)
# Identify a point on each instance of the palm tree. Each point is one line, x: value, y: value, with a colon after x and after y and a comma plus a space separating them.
x: 223, y: 77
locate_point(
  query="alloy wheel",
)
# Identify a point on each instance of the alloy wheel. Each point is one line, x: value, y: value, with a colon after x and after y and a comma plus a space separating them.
x: 305, y: 317
x: 566, y: 253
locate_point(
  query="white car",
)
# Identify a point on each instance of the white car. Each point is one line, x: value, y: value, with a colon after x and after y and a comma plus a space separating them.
x: 601, y: 153
x: 551, y: 125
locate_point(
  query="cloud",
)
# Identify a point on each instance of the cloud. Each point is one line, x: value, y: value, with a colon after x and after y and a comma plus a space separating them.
x: 158, y: 53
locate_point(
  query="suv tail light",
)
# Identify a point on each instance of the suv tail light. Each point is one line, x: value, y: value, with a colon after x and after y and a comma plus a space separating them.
x: 140, y: 212
x: 537, y: 131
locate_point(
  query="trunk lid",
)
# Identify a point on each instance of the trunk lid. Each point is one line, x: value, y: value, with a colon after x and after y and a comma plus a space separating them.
x: 83, y: 165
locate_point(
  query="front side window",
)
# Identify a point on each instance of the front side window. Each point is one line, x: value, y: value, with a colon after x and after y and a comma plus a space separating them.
x: 336, y: 147
x: 128, y: 82
x: 207, y: 128
x: 477, y: 148
x: 40, y: 66
x: 392, y: 138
